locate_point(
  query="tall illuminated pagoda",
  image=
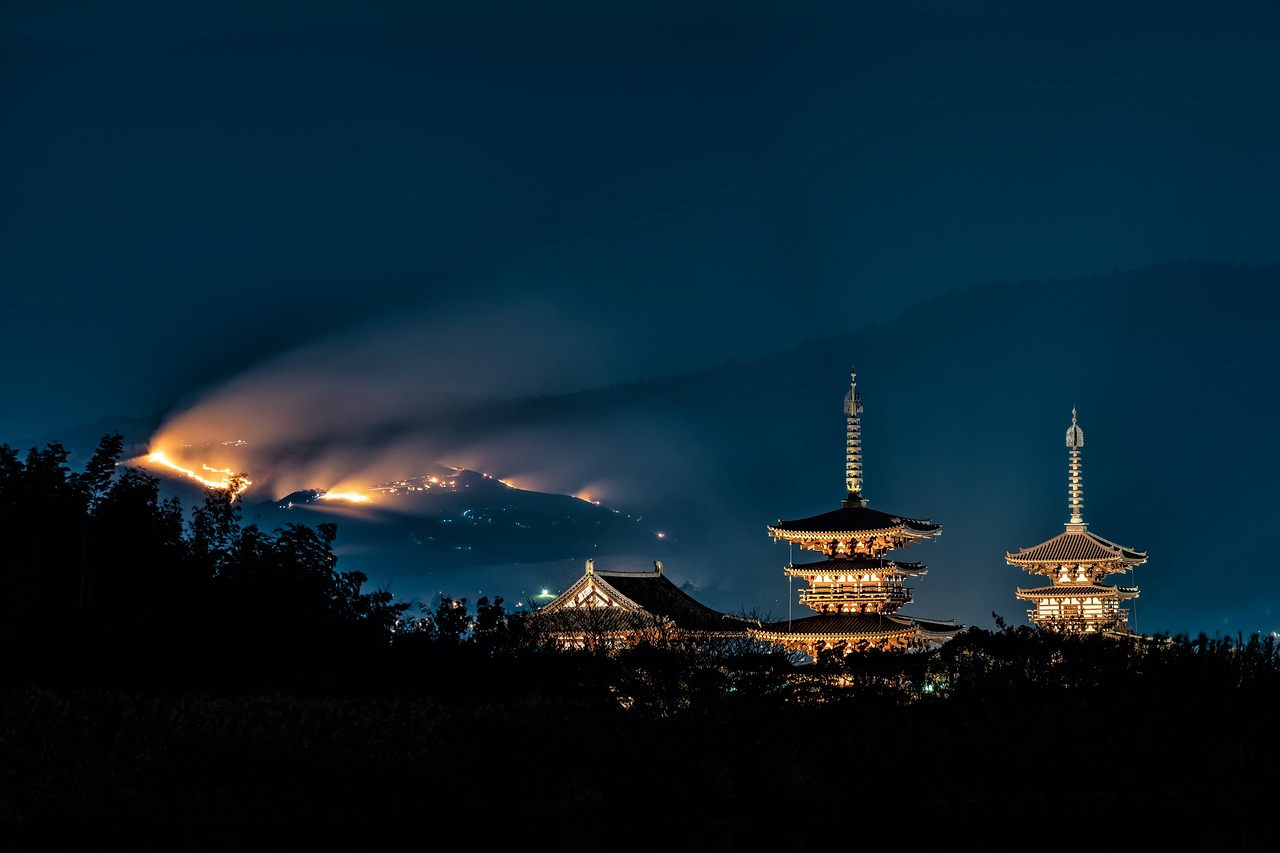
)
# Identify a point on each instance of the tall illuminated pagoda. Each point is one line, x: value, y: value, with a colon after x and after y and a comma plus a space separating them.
x: 1076, y: 561
x: 857, y: 589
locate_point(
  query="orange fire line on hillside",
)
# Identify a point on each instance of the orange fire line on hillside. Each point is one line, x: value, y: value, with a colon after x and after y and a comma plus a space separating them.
x: 354, y: 497
x: 159, y: 457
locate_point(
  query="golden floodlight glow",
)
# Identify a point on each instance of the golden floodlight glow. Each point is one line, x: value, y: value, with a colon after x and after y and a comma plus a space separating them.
x: 354, y: 497
x: 160, y: 458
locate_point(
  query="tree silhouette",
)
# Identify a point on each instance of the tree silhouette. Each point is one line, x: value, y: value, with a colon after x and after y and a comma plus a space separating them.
x: 105, y: 585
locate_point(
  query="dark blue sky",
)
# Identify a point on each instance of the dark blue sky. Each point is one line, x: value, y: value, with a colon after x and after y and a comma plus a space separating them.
x: 519, y: 197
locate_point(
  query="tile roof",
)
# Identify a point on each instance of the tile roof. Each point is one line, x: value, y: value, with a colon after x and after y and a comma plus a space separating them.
x: 642, y: 600
x: 856, y: 565
x: 855, y: 519
x: 1079, y: 590
x: 655, y: 592
x: 939, y: 627
x: 596, y: 621
x: 855, y: 626
x: 1077, y: 546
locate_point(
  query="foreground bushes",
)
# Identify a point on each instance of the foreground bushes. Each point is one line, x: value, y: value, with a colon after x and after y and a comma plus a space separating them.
x: 210, y: 681
x: 1004, y: 725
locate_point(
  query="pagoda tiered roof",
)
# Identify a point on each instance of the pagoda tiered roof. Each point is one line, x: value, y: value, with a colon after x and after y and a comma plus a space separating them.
x: 854, y: 522
x: 1079, y: 590
x: 855, y: 566
x: 1076, y: 561
x: 832, y: 628
x: 1076, y: 546
x: 857, y: 590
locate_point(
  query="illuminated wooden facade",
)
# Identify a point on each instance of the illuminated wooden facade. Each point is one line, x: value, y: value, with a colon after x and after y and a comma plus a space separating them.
x: 1076, y: 561
x: 857, y: 590
x: 611, y: 609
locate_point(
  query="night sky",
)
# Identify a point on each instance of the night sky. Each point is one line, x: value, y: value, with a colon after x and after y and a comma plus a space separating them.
x: 313, y: 212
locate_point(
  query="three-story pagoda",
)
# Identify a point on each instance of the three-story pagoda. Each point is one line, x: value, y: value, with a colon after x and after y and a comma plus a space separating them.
x: 1076, y: 561
x: 857, y: 588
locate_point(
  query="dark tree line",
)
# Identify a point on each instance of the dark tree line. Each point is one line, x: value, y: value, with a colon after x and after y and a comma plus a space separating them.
x: 168, y: 667
x: 106, y: 584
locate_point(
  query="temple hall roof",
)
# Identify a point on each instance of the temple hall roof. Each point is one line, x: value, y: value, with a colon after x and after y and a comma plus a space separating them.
x: 655, y: 593
x: 853, y: 520
x: 636, y: 599
x: 1076, y: 546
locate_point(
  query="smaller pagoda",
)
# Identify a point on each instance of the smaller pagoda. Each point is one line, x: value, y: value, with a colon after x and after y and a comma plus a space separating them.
x: 857, y: 590
x: 1076, y: 561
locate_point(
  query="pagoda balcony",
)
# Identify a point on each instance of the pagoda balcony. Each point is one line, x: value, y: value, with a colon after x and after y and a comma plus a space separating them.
x: 901, y: 595
x: 1089, y: 622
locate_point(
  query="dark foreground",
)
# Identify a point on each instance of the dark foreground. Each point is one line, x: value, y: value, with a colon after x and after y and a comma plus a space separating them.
x: 173, y: 678
x: 1184, y: 755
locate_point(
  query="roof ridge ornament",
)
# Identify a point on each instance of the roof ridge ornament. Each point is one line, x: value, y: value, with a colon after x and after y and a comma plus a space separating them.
x: 1075, y: 480
x: 853, y: 444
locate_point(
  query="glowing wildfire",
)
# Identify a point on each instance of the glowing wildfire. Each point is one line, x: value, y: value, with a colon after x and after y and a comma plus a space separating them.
x: 224, y: 478
x: 225, y: 465
x: 225, y: 482
x: 354, y: 497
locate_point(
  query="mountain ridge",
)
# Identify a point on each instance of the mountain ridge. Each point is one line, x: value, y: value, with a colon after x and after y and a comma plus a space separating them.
x: 967, y: 394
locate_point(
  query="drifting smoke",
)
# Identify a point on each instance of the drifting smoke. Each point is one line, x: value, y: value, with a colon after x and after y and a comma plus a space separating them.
x: 397, y: 398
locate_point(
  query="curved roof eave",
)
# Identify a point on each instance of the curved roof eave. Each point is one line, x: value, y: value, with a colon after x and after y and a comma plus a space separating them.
x: 1075, y: 547
x: 851, y: 521
x: 1074, y: 591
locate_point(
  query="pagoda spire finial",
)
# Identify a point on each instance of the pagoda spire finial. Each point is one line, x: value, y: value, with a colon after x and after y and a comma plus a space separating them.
x: 853, y: 444
x: 1075, y: 485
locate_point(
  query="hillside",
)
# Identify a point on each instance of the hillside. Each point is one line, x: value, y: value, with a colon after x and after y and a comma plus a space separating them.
x: 967, y: 397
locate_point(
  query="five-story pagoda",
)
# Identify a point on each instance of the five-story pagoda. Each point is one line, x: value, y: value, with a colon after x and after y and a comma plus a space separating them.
x: 1076, y: 560
x: 858, y: 588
